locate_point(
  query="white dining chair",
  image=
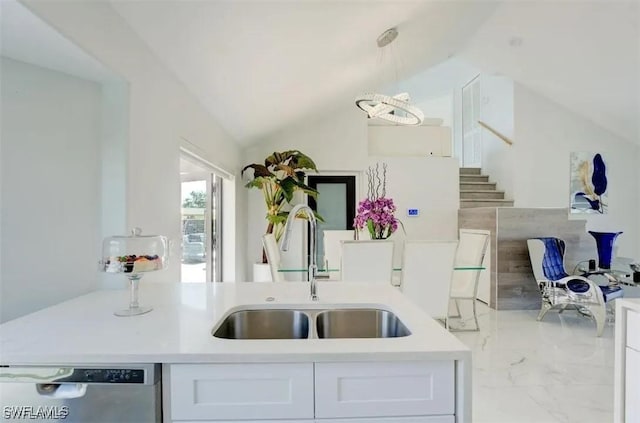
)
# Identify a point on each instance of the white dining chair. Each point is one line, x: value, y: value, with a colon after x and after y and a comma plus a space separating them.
x: 427, y: 270
x: 367, y: 261
x: 273, y: 256
x: 472, y: 246
x: 333, y: 250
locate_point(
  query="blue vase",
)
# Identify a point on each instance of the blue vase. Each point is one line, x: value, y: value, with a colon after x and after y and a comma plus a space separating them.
x: 604, y: 244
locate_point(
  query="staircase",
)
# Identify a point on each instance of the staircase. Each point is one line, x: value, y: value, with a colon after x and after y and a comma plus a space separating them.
x: 477, y: 191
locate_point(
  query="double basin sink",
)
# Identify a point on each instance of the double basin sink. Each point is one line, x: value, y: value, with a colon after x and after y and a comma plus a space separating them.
x: 304, y: 324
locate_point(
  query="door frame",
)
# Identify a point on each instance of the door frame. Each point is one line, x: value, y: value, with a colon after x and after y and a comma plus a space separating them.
x: 353, y: 187
x: 475, y: 84
x: 213, y: 229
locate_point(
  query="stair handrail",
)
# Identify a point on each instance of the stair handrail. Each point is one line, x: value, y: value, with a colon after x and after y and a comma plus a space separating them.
x: 496, y: 133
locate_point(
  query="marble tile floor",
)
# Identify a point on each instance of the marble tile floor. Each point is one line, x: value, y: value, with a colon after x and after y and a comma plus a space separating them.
x: 554, y: 371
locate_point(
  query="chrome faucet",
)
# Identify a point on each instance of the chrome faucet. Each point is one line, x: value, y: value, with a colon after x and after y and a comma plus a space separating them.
x: 313, y: 268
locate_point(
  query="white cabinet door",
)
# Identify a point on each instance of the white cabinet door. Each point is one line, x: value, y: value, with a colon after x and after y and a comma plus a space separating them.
x: 384, y: 389
x: 418, y: 419
x: 242, y: 391
x: 633, y: 330
x: 632, y: 386
x: 251, y: 421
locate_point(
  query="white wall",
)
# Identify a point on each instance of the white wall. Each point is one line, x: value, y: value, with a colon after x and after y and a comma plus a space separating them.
x: 338, y: 142
x: 438, y: 91
x: 162, y: 113
x: 429, y: 184
x: 113, y: 165
x: 496, y: 110
x: 50, y: 167
x: 545, y: 135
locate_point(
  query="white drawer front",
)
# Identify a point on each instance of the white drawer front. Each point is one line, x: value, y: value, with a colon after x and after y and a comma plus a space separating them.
x: 632, y: 386
x: 415, y: 419
x: 241, y: 391
x: 253, y: 421
x: 384, y: 389
x: 633, y: 330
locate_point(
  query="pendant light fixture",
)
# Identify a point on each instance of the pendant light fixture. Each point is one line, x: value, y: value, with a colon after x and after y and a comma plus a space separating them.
x: 395, y: 109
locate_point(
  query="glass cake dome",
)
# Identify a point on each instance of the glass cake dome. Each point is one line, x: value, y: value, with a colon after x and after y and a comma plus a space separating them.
x: 134, y: 255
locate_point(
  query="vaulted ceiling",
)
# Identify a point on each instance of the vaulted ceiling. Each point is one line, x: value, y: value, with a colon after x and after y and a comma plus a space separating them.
x: 25, y: 37
x: 583, y: 55
x: 259, y: 66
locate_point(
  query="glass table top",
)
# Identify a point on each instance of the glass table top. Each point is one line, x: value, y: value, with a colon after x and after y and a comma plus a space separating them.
x: 620, y: 273
x: 395, y: 269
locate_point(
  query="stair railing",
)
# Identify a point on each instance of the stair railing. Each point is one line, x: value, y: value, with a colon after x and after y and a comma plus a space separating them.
x: 496, y: 133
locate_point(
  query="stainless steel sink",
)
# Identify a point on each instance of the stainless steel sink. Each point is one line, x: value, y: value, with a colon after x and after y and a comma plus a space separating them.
x: 359, y: 323
x: 264, y: 324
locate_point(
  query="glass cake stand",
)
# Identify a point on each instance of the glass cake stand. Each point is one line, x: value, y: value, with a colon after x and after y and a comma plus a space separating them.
x: 134, y: 256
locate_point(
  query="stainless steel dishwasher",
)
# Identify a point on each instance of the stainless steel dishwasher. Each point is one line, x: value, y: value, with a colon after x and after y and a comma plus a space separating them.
x: 109, y: 393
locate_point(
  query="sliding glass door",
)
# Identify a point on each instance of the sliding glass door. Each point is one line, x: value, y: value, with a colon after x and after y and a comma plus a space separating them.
x: 201, y: 208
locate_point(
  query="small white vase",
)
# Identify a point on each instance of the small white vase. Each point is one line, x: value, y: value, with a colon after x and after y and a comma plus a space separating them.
x: 261, y: 272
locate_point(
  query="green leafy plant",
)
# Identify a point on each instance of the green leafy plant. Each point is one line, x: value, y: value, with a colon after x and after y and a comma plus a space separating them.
x: 196, y: 200
x: 279, y: 178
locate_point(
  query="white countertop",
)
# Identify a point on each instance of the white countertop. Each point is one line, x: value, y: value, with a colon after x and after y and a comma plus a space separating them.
x: 84, y: 330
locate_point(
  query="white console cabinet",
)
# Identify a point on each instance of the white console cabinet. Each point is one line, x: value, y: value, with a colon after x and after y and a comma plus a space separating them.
x: 380, y: 392
x: 626, y: 407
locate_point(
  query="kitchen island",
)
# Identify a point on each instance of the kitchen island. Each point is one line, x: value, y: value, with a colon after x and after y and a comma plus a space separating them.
x: 422, y: 377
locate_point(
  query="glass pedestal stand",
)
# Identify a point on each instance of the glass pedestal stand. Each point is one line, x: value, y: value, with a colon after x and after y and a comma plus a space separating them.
x: 134, y: 307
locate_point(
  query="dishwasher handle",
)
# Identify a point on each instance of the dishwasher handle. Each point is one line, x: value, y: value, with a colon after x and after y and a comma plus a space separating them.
x: 61, y: 390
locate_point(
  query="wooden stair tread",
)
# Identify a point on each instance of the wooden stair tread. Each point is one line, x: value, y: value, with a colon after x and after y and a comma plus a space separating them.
x: 478, y: 183
x: 485, y: 200
x: 476, y: 190
x: 479, y: 191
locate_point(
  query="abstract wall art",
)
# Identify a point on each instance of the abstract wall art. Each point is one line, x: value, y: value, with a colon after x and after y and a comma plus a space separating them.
x: 588, y: 185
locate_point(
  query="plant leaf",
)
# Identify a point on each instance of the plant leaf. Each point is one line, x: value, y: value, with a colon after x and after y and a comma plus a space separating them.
x: 258, y: 170
x: 255, y: 183
x: 319, y: 218
x: 302, y: 161
x: 288, y: 186
x: 306, y: 189
x: 276, y: 219
x: 371, y: 228
x: 287, y: 169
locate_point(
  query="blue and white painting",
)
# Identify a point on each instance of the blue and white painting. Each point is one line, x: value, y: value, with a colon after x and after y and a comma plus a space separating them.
x: 589, y: 193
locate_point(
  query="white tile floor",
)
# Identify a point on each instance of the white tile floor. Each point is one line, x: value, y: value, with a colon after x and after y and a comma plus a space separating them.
x: 554, y: 371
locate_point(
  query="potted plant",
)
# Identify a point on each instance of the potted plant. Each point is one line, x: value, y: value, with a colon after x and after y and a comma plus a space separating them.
x: 279, y: 178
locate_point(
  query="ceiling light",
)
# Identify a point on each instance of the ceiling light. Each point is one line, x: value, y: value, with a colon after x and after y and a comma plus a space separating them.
x: 394, y: 109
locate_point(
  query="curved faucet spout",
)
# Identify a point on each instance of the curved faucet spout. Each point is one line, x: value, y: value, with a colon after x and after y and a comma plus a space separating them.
x: 313, y: 268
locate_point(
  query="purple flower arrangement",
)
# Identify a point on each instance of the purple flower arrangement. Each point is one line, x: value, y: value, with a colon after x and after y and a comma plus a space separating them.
x: 377, y: 216
x: 376, y: 211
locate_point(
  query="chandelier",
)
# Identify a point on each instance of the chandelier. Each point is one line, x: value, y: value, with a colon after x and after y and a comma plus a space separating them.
x: 395, y: 109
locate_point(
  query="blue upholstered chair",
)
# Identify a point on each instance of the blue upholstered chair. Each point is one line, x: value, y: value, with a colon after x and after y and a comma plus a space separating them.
x: 561, y: 290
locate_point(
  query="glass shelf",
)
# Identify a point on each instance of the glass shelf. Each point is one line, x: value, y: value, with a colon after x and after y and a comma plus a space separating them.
x: 395, y: 269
